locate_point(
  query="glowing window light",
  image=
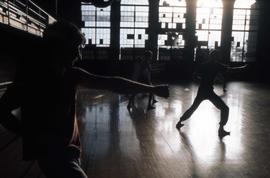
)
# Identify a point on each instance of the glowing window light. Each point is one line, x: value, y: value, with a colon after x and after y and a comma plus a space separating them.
x: 96, y: 25
x: 209, y: 23
x: 243, y: 3
x: 135, y: 2
x: 172, y: 17
x: 173, y: 2
x: 209, y: 3
x: 244, y: 34
x: 133, y: 24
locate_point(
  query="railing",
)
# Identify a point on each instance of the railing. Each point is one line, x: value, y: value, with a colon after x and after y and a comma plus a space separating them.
x: 24, y: 15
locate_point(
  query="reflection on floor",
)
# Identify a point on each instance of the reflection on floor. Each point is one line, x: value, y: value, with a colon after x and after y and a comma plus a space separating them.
x: 119, y: 144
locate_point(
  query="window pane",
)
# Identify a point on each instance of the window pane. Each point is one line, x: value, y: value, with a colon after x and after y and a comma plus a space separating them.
x: 96, y: 25
x: 209, y: 23
x: 134, y: 22
x: 172, y: 18
x: 244, y: 34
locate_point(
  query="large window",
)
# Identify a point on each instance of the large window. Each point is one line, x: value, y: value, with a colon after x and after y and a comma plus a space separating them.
x: 96, y: 25
x: 134, y: 22
x: 244, y: 34
x: 172, y: 18
x: 208, y: 23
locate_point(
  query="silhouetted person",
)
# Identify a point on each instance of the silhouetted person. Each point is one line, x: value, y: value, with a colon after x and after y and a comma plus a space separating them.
x: 201, y: 57
x: 209, y: 70
x: 146, y: 76
x: 143, y: 74
x: 45, y: 91
x: 135, y: 77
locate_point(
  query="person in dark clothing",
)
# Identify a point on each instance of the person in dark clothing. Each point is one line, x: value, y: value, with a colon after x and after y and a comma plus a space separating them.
x: 209, y: 71
x: 142, y: 73
x: 45, y: 91
x: 146, y: 76
x: 135, y: 77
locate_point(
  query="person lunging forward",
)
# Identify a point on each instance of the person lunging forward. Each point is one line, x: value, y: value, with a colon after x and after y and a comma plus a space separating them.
x: 209, y: 71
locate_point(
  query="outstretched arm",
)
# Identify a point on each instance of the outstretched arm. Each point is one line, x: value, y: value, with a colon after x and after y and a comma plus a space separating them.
x: 236, y: 69
x: 118, y: 84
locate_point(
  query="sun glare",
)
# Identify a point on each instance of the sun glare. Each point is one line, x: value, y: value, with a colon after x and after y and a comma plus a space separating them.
x: 244, y: 3
x: 209, y: 3
x: 173, y: 2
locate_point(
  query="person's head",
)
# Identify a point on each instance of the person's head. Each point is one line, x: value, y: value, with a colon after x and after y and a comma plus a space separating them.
x: 63, y: 40
x: 148, y: 55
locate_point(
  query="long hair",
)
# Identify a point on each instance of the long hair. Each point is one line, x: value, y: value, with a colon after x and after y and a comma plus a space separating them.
x: 61, y: 42
x: 63, y: 32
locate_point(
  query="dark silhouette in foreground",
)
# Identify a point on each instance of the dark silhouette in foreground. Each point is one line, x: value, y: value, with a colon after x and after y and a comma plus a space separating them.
x: 209, y: 71
x: 45, y: 91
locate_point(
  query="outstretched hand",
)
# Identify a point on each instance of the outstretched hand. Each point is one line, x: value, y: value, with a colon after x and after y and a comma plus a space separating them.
x: 162, y: 91
x: 242, y: 66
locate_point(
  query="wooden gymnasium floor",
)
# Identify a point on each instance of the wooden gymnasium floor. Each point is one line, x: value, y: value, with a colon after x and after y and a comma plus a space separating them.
x: 145, y: 144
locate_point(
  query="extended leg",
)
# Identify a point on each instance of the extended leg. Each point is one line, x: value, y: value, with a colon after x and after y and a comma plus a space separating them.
x: 219, y: 103
x: 189, y: 112
x: 154, y: 100
x: 131, y: 101
x: 150, y: 99
x: 224, y: 82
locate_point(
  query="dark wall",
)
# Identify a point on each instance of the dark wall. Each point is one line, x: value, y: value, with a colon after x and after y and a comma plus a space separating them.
x: 63, y: 9
x: 16, y: 46
x: 48, y: 5
x: 263, y: 52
